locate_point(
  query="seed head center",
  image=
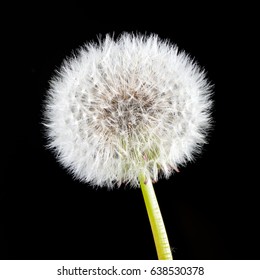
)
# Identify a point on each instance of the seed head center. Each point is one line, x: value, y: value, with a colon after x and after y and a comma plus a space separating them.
x: 126, y: 112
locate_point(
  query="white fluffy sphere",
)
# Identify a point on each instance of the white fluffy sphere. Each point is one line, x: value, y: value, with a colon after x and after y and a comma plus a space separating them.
x: 127, y: 106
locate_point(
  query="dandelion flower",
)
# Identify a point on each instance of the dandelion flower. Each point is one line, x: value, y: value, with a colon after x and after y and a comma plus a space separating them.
x: 127, y: 111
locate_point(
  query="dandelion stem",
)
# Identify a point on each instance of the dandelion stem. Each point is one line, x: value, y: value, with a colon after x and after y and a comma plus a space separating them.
x: 156, y: 220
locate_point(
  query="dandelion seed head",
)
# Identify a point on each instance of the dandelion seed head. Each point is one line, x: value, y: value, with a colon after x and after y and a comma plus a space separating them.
x: 126, y: 106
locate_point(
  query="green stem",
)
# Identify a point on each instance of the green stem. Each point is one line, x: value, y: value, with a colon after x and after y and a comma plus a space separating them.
x: 156, y: 220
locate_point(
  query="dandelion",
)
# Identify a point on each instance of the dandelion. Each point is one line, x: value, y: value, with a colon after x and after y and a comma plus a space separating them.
x: 128, y: 111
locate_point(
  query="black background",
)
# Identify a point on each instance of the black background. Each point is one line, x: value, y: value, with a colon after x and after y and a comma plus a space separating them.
x: 210, y: 208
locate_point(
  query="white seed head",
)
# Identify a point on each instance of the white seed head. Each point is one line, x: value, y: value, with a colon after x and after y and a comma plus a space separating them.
x: 127, y: 106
